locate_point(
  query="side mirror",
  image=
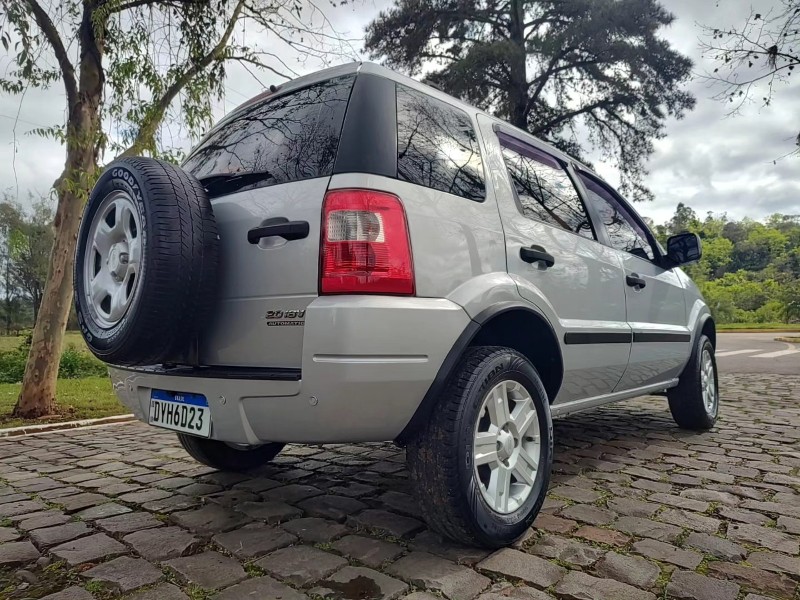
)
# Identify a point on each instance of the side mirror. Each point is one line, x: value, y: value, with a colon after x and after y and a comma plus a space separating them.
x: 684, y: 248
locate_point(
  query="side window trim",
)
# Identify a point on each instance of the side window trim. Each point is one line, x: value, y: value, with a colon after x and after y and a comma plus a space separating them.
x: 524, y: 148
x: 628, y: 213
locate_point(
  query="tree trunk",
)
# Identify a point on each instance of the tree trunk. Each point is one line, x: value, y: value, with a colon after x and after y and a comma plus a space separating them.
x: 38, y: 394
x: 518, y: 93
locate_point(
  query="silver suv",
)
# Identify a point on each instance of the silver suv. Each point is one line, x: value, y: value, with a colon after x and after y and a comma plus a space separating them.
x: 356, y: 257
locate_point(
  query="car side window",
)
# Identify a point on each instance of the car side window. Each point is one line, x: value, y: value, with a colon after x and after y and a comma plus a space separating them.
x: 623, y: 230
x: 545, y: 191
x: 437, y: 146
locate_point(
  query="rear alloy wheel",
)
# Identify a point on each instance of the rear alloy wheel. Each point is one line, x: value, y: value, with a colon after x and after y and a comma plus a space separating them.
x: 228, y: 457
x: 481, y: 465
x: 694, y: 403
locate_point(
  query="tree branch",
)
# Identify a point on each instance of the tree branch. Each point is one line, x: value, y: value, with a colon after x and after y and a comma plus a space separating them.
x: 51, y: 33
x: 573, y: 113
x: 155, y: 115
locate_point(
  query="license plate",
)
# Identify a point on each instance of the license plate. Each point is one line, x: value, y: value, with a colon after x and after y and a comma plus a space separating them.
x: 180, y: 411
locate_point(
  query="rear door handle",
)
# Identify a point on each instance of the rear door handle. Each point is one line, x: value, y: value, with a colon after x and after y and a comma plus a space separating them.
x: 279, y: 227
x: 536, y: 254
x: 635, y: 281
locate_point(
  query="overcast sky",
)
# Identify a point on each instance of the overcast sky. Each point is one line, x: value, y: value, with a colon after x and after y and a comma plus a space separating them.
x: 708, y: 160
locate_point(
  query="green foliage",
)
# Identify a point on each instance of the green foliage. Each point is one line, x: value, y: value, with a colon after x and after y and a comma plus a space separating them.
x: 74, y: 364
x: 750, y: 271
x: 551, y: 67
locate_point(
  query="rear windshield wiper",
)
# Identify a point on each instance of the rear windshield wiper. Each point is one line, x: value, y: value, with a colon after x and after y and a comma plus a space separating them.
x: 219, y: 184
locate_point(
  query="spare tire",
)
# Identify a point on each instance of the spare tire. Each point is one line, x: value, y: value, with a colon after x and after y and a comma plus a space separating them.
x: 146, y: 262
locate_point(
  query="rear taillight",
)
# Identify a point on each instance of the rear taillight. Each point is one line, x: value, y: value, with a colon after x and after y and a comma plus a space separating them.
x: 365, y: 247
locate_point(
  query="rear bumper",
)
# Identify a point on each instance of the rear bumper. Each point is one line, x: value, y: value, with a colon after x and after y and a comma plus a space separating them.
x: 367, y: 363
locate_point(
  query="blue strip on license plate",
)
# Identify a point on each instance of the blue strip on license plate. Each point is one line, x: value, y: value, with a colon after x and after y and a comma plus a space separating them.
x: 180, y: 397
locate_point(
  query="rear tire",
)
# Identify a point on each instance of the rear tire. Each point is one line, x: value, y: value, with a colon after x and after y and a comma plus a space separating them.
x: 491, y: 426
x: 224, y: 457
x: 694, y: 403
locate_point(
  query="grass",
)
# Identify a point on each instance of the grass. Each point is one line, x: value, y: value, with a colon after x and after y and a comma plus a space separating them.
x: 10, y: 342
x: 88, y: 398
x: 758, y: 326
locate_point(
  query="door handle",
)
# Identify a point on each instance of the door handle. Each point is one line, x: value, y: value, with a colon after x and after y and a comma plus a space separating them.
x: 536, y: 254
x: 635, y: 281
x: 279, y: 227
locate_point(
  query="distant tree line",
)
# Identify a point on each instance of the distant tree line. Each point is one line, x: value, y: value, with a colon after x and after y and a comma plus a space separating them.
x: 750, y: 270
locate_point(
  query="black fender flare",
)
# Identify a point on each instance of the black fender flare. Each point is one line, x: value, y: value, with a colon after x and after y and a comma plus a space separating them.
x: 451, y: 360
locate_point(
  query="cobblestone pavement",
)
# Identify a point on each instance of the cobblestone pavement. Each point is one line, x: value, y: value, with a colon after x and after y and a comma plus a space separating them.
x: 637, y: 510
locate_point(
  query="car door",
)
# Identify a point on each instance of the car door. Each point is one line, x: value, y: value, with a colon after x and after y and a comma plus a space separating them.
x: 552, y: 253
x: 654, y: 295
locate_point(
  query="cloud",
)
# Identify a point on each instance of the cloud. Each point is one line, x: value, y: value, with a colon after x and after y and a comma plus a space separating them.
x: 708, y: 160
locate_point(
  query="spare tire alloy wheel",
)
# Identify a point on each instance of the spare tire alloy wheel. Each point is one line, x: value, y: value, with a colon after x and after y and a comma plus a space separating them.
x: 112, y: 263
x: 146, y: 263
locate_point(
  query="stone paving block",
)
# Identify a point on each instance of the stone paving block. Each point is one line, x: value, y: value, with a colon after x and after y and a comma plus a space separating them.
x: 580, y: 586
x: 522, y: 566
x: 386, y: 522
x: 88, y: 549
x: 438, y: 575
x: 128, y: 523
x: 690, y: 520
x: 260, y: 588
x: 716, y: 546
x: 693, y: 586
x: 668, y: 553
x: 13, y: 498
x: 209, y: 519
x: 163, y: 591
x: 162, y: 543
x: 513, y: 593
x: 301, y: 565
x: 632, y: 507
x: 369, y: 551
x: 292, y: 493
x: 52, y: 536
x: 554, y: 524
x: 80, y: 501
x: 210, y: 570
x: 681, y: 502
x: 253, y: 540
x: 46, y: 518
x: 270, y: 511
x: 764, y: 536
x: 102, y: 511
x: 647, y: 528
x: 145, y: 495
x: 789, y: 524
x: 124, y: 573
x: 315, y: 530
x: 711, y: 496
x: 433, y: 543
x: 13, y: 554
x: 602, y: 536
x: 633, y: 570
x: 575, y: 493
x: 21, y: 507
x: 171, y: 504
x: 566, y: 550
x: 8, y: 534
x: 742, y: 516
x: 772, y: 561
x: 200, y: 489
x: 594, y: 515
x: 360, y: 582
x: 71, y: 593
x: 333, y: 507
x: 756, y: 580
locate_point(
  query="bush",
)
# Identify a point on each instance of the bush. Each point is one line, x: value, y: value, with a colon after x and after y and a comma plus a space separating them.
x: 74, y: 364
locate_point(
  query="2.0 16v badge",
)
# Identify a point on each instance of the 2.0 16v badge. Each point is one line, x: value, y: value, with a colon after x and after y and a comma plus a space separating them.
x: 283, y: 318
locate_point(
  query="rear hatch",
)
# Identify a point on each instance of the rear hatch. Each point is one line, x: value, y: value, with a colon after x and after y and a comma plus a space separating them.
x: 268, y: 166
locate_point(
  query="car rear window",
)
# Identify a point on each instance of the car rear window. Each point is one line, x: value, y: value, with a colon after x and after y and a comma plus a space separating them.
x: 437, y: 146
x: 286, y: 138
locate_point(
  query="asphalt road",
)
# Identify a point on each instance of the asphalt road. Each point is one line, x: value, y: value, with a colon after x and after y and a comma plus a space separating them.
x: 757, y: 353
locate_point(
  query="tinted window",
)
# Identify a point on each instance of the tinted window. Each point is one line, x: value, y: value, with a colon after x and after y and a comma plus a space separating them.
x: 625, y: 233
x: 544, y: 189
x: 437, y: 146
x: 287, y: 138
